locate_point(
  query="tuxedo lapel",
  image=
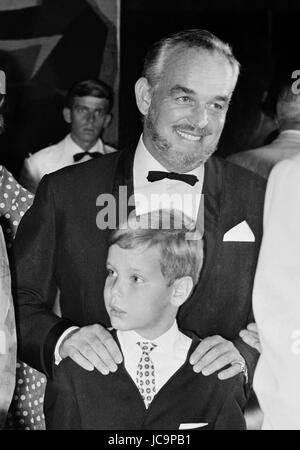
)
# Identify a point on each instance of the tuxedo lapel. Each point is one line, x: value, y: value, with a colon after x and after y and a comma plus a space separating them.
x: 123, y: 183
x: 212, y: 189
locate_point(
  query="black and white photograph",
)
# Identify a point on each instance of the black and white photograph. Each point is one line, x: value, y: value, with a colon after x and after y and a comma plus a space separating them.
x: 150, y: 212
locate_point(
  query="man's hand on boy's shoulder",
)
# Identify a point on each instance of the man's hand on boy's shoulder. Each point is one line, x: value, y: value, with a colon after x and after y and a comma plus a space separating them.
x: 92, y: 347
x: 251, y: 337
x: 213, y: 353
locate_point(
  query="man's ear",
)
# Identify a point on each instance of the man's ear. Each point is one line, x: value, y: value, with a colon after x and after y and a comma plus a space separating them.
x: 182, y: 287
x: 107, y: 121
x: 143, y: 95
x: 67, y: 115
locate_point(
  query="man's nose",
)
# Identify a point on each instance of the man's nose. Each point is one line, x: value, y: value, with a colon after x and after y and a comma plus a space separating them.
x: 90, y: 116
x: 198, y: 117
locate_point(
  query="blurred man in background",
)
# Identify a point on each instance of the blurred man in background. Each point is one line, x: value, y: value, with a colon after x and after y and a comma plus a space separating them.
x: 88, y: 111
x: 261, y: 160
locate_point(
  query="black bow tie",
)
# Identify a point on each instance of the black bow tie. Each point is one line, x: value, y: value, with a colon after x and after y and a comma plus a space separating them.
x: 154, y: 175
x: 78, y: 156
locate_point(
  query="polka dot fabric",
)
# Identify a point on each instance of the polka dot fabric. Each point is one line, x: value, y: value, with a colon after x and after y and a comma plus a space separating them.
x: 14, y: 202
x: 145, y: 375
x: 26, y: 410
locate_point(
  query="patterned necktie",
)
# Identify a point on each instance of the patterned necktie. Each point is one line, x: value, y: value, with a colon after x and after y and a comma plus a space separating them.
x: 145, y: 375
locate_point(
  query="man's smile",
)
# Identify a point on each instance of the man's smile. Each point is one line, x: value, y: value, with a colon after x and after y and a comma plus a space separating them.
x: 188, y: 136
x: 191, y: 133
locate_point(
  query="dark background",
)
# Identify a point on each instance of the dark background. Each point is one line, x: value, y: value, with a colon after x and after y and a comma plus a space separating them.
x: 265, y: 37
x: 72, y: 36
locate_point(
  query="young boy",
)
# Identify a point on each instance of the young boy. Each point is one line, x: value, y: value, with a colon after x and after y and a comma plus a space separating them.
x: 152, y: 270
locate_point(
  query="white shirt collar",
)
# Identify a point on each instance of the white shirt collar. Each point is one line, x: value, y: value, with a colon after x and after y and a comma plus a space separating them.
x: 169, y: 355
x: 144, y: 161
x: 290, y: 131
x: 165, y: 342
x: 98, y: 147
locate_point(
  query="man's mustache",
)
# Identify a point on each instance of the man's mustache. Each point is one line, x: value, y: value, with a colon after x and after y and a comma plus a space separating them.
x: 202, y: 132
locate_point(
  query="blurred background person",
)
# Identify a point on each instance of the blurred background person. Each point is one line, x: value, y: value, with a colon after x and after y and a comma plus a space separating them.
x: 276, y: 301
x: 8, y: 340
x: 88, y: 111
x: 14, y: 201
x: 17, y: 380
x: 287, y: 144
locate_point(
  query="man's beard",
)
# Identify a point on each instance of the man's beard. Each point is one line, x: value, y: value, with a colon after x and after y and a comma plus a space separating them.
x: 180, y: 162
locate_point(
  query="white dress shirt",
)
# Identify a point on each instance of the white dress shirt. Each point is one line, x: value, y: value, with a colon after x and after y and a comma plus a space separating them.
x: 56, y: 157
x: 151, y: 196
x: 168, y: 356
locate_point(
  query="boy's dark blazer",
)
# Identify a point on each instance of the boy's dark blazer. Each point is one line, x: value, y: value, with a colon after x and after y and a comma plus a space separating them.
x: 76, y: 399
x: 58, y: 243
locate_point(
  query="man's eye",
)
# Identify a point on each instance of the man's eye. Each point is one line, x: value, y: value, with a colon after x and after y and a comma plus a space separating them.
x: 80, y: 109
x: 99, y: 112
x: 217, y: 106
x: 184, y: 99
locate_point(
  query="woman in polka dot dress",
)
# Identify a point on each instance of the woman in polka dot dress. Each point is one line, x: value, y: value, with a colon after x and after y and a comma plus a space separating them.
x: 26, y: 410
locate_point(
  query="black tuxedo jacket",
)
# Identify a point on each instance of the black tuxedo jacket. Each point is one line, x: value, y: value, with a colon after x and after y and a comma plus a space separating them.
x: 80, y: 400
x: 58, y: 243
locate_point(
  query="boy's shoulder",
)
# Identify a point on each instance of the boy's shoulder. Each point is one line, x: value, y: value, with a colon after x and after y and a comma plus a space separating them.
x: 233, y: 385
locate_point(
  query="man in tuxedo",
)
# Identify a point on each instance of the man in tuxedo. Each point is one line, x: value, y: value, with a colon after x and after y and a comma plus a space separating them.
x: 183, y: 95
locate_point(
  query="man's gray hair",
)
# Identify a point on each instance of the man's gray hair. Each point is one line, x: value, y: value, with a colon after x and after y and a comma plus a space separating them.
x: 195, y: 38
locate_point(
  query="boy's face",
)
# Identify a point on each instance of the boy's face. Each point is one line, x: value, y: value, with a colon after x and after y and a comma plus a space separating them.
x: 136, y: 294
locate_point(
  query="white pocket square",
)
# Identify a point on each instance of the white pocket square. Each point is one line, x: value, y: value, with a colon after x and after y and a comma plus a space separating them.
x: 240, y: 233
x: 190, y: 426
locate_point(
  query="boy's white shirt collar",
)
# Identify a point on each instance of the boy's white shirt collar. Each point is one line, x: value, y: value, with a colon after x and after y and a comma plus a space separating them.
x: 169, y: 355
x: 165, y: 342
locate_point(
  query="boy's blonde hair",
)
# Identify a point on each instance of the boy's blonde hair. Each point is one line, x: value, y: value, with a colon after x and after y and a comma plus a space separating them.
x: 173, y: 233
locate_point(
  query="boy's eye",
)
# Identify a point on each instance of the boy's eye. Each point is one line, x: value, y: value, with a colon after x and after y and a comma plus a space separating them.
x: 137, y: 279
x: 110, y: 272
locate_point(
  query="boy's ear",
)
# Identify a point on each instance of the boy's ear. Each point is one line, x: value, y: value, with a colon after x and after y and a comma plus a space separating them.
x: 182, y: 288
x: 67, y: 115
x: 143, y: 95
